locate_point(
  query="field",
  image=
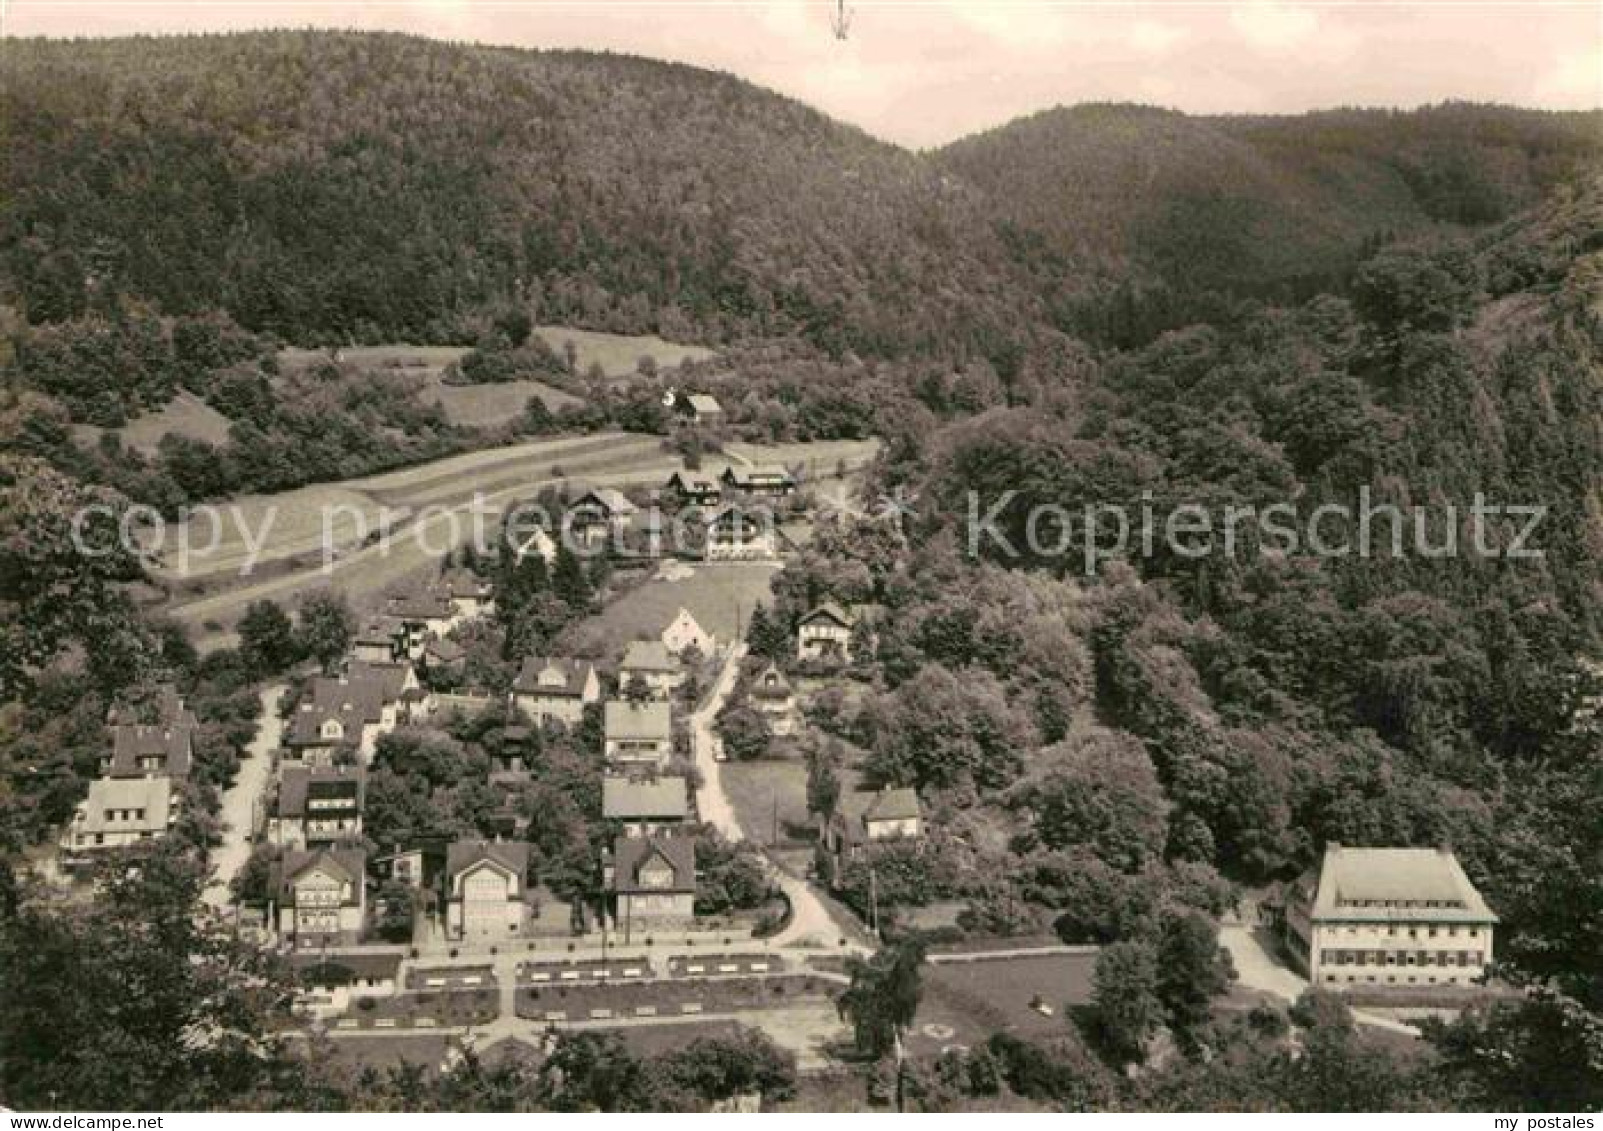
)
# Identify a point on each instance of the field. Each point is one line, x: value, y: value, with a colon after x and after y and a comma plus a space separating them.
x: 717, y: 595
x: 618, y: 354
x: 486, y: 406
x: 754, y: 787
x: 964, y: 1002
x: 185, y: 415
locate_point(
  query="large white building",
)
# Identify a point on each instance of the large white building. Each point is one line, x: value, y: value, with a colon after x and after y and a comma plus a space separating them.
x: 119, y: 813
x: 1390, y: 917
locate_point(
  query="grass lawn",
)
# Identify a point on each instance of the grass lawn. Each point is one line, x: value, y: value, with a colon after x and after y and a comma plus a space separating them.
x: 618, y: 354
x: 715, y: 593
x: 753, y: 788
x: 965, y: 1002
x: 429, y: 1051
x: 485, y: 406
x: 654, y: 1040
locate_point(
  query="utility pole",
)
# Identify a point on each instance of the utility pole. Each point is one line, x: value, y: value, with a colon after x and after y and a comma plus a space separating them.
x: 873, y: 899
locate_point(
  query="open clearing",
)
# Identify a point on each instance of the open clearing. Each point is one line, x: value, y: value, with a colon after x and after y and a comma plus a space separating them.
x: 716, y: 593
x: 964, y: 1002
x: 618, y: 354
x: 755, y: 788
x: 486, y: 406
x: 184, y: 415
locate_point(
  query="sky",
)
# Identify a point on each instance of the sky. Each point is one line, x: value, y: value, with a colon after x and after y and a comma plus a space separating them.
x: 924, y: 72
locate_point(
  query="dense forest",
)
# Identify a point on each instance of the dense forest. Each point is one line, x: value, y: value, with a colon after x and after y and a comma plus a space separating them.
x: 1103, y: 305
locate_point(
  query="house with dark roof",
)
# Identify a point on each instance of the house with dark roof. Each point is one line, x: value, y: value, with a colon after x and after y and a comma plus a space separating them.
x: 380, y: 640
x: 637, y: 735
x: 735, y: 533
x: 321, y: 896
x: 555, y: 688
x: 772, y: 696
x: 762, y: 481
x: 645, y: 805
x: 331, y: 985
x: 485, y: 887
x: 824, y: 634
x: 342, y: 717
x: 690, y: 489
x: 316, y: 806
x: 653, y: 882
x: 1406, y: 918
x: 861, y: 819
x: 597, y: 515
x: 421, y: 612
x: 147, y: 750
x: 650, y: 662
x: 472, y: 595
x: 161, y: 705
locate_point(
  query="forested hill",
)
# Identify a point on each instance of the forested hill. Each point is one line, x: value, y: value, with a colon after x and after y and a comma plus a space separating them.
x: 1135, y: 219
x: 374, y: 187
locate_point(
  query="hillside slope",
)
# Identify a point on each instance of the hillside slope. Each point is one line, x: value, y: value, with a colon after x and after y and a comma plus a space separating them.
x: 370, y: 187
x: 1276, y: 207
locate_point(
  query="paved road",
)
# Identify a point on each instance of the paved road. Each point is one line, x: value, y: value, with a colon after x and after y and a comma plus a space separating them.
x: 811, y: 921
x: 239, y: 801
x: 1258, y: 969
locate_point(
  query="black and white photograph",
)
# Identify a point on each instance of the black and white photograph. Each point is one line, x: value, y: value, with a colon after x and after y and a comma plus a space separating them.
x: 881, y: 557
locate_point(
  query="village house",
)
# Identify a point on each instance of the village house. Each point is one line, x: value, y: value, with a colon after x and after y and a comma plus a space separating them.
x: 599, y: 515
x: 404, y: 866
x: 536, y: 541
x: 684, y: 632
x: 420, y: 613
x: 653, y: 882
x: 861, y: 819
x: 650, y: 662
x: 342, y: 717
x: 316, y: 806
x: 692, y: 490
x: 824, y: 634
x: 443, y: 656
x: 322, y: 896
x: 645, y: 806
x: 472, y: 595
x: 773, y: 697
x: 332, y: 986
x: 1389, y: 917
x: 378, y: 641
x: 732, y: 533
x: 485, y: 886
x: 556, y: 689
x: 638, y: 735
x: 119, y: 813
x: 147, y: 750
x: 765, y: 481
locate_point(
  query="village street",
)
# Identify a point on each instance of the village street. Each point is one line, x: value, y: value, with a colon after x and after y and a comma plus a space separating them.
x: 811, y: 921
x: 238, y: 810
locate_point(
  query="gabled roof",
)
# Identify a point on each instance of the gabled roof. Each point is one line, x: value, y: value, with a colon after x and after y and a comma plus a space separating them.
x: 705, y: 403
x: 552, y: 676
x: 771, y: 684
x: 693, y: 482
x: 298, y: 783
x: 651, y: 720
x: 764, y: 473
x: 464, y: 855
x: 131, y: 742
x: 346, y: 864
x: 380, y: 630
x: 153, y: 795
x: 609, y: 499
x: 419, y: 604
x: 1396, y: 885
x: 319, y: 970
x: 829, y: 610
x: 444, y: 651
x: 649, y: 656
x: 632, y: 855
x: 464, y: 583
x: 686, y: 620
x: 163, y: 706
x: 638, y: 799
x: 893, y: 805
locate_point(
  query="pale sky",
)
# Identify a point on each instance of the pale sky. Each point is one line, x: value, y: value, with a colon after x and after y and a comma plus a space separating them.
x: 923, y: 72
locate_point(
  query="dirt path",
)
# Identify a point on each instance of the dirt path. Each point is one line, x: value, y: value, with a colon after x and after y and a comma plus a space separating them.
x: 238, y: 813
x: 1257, y: 969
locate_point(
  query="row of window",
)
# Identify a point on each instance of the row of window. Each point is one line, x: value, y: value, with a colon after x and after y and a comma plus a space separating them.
x: 1392, y: 929
x: 1391, y: 979
x: 1400, y: 958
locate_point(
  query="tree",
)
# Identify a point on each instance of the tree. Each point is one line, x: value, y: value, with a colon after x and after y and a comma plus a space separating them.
x: 1541, y: 1053
x: 823, y: 782
x: 326, y: 625
x: 745, y: 733
x: 767, y: 635
x: 1194, y: 969
x: 568, y: 579
x: 714, y: 1069
x: 1100, y: 791
x: 395, y: 912
x: 267, y: 641
x: 883, y: 997
x: 1126, y: 997
x: 636, y: 690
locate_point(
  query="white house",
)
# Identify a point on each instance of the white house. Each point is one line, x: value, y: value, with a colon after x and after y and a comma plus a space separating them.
x: 638, y: 735
x: 119, y: 813
x: 861, y: 819
x: 557, y: 689
x: 684, y: 632
x: 645, y: 805
x: 653, y: 664
x: 485, y: 885
x: 734, y: 533
x: 773, y: 697
x: 825, y: 634
x: 322, y: 896
x: 1375, y: 917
